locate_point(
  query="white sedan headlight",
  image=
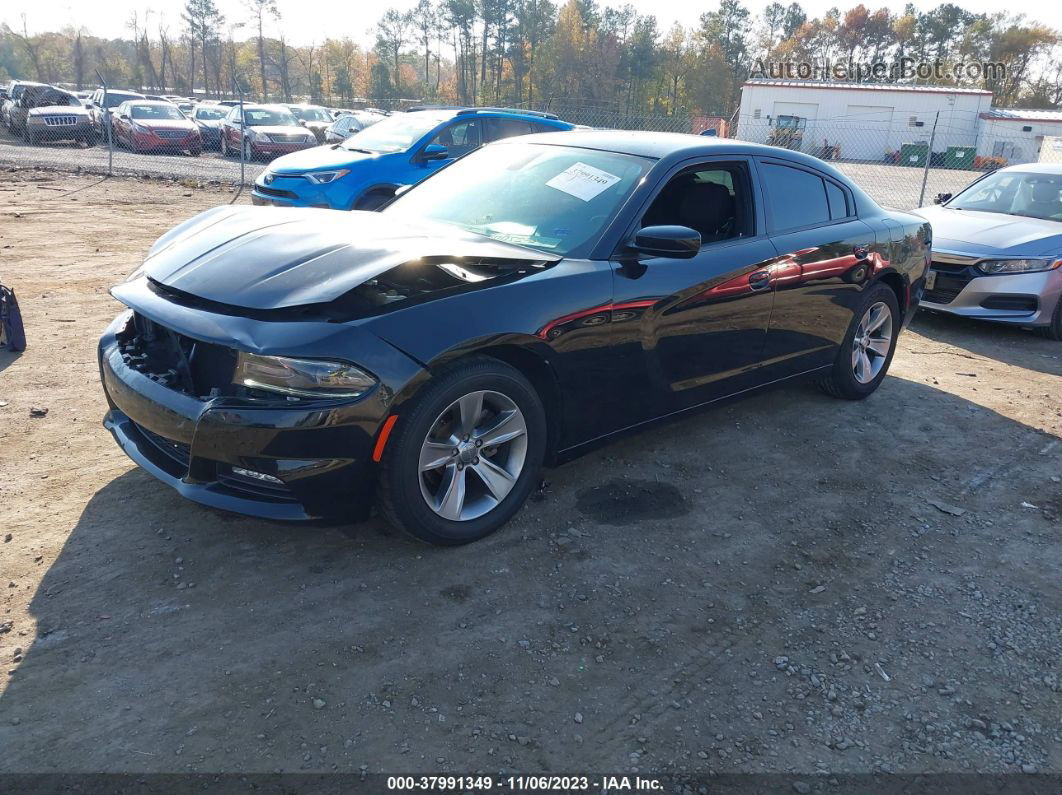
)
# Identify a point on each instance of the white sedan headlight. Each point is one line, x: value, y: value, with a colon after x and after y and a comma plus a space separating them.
x: 1001, y: 266
x: 312, y: 378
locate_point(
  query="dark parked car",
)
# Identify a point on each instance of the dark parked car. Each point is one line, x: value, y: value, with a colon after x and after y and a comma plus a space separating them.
x: 314, y: 118
x: 208, y: 119
x: 349, y: 123
x: 267, y: 131
x: 10, y: 96
x: 520, y: 306
x: 44, y: 113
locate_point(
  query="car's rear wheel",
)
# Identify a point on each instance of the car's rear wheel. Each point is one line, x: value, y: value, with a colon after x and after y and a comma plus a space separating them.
x: 1053, y: 331
x: 466, y: 454
x: 866, y: 352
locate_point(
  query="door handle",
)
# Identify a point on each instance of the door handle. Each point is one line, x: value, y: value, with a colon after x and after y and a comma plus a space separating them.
x: 760, y: 280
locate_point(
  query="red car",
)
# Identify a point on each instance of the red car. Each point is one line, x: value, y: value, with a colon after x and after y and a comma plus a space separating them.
x: 267, y: 131
x: 156, y: 126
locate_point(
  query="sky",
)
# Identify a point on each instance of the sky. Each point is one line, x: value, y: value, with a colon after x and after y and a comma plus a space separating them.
x: 305, y: 23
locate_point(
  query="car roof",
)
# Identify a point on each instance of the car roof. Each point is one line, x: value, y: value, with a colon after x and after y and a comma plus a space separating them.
x: 153, y: 102
x: 1036, y: 168
x: 660, y: 145
x: 462, y: 110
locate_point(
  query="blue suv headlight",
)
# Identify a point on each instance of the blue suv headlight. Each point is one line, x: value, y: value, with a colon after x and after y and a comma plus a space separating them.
x: 324, y: 177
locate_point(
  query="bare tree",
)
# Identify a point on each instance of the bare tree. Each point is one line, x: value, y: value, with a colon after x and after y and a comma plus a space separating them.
x: 260, y: 9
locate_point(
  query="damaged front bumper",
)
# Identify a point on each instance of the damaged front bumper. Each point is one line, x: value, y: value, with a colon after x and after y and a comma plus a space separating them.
x: 272, y: 458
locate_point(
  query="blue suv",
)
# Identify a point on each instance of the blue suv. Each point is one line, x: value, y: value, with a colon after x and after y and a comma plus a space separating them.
x: 364, y: 171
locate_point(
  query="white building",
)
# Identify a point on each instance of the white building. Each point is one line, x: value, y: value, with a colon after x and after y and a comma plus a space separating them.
x: 864, y: 121
x: 1017, y: 135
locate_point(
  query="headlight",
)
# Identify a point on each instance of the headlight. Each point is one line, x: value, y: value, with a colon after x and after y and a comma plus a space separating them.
x: 254, y: 135
x: 997, y: 266
x: 324, y: 177
x: 301, y: 377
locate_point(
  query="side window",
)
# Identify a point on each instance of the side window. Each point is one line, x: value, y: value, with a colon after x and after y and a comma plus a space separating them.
x: 460, y: 138
x: 795, y: 197
x: 539, y: 127
x: 713, y: 199
x: 837, y: 200
x: 506, y: 128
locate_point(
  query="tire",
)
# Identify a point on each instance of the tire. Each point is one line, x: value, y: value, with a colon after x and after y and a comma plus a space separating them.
x: 224, y: 147
x: 195, y: 152
x: 434, y: 418
x: 248, y: 151
x: 1054, y: 331
x: 863, y: 359
x: 373, y: 200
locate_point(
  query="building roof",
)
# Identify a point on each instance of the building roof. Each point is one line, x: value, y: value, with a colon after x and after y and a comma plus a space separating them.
x: 822, y: 84
x: 1018, y: 114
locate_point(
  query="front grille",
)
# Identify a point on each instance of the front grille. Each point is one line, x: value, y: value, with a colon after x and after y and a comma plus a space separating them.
x: 199, y: 369
x: 60, y: 121
x: 949, y: 285
x: 283, y: 194
x: 178, y: 452
x: 948, y: 267
x: 287, y: 138
x: 171, y: 134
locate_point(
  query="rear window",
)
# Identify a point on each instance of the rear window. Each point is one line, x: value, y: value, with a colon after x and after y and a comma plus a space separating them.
x: 795, y: 197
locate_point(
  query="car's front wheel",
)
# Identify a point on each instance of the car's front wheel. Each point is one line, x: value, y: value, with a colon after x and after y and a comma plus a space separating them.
x: 1054, y: 330
x: 466, y: 454
x: 866, y: 352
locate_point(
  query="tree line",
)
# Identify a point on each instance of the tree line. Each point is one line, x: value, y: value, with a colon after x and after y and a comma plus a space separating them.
x: 531, y: 53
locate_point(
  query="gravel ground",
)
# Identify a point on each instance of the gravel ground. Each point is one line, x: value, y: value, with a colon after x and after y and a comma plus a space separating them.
x: 786, y: 584
x: 892, y: 186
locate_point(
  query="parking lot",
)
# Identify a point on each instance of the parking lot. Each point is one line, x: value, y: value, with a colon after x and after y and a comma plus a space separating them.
x: 788, y: 584
x: 890, y: 185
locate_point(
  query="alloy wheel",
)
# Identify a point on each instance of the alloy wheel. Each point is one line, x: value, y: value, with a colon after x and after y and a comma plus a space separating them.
x: 473, y: 455
x: 872, y: 342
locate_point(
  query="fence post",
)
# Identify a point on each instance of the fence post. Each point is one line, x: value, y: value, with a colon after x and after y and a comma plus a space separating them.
x: 929, y: 160
x: 106, y: 111
x: 243, y: 140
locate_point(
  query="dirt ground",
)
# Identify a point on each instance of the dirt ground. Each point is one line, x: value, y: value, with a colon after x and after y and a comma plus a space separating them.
x: 787, y: 584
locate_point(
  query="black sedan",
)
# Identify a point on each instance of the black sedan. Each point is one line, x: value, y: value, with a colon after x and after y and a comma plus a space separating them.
x: 522, y: 305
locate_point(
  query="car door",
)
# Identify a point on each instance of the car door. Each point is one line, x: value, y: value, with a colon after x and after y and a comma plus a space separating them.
x: 694, y: 329
x: 826, y: 255
x: 460, y: 137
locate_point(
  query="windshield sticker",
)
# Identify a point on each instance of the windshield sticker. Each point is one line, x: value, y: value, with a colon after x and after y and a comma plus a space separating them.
x: 583, y: 181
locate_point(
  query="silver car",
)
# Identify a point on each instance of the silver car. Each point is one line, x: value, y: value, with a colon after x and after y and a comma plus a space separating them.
x: 997, y: 249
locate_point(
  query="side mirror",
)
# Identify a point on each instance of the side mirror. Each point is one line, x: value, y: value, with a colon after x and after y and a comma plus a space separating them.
x: 941, y: 198
x: 434, y: 152
x: 123, y: 116
x: 679, y: 242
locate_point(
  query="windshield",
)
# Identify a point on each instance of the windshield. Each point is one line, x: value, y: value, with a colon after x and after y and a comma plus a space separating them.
x: 211, y: 114
x: 311, y: 114
x: 553, y: 198
x: 53, y: 97
x: 116, y: 98
x: 155, y: 112
x: 1014, y: 193
x: 395, y: 133
x: 268, y: 117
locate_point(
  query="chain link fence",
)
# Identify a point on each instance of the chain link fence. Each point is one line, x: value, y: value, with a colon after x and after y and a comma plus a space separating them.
x: 902, y: 159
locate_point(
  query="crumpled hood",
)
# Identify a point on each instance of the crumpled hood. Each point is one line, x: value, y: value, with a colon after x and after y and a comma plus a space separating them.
x: 271, y: 258
x: 992, y: 234
x: 318, y: 157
